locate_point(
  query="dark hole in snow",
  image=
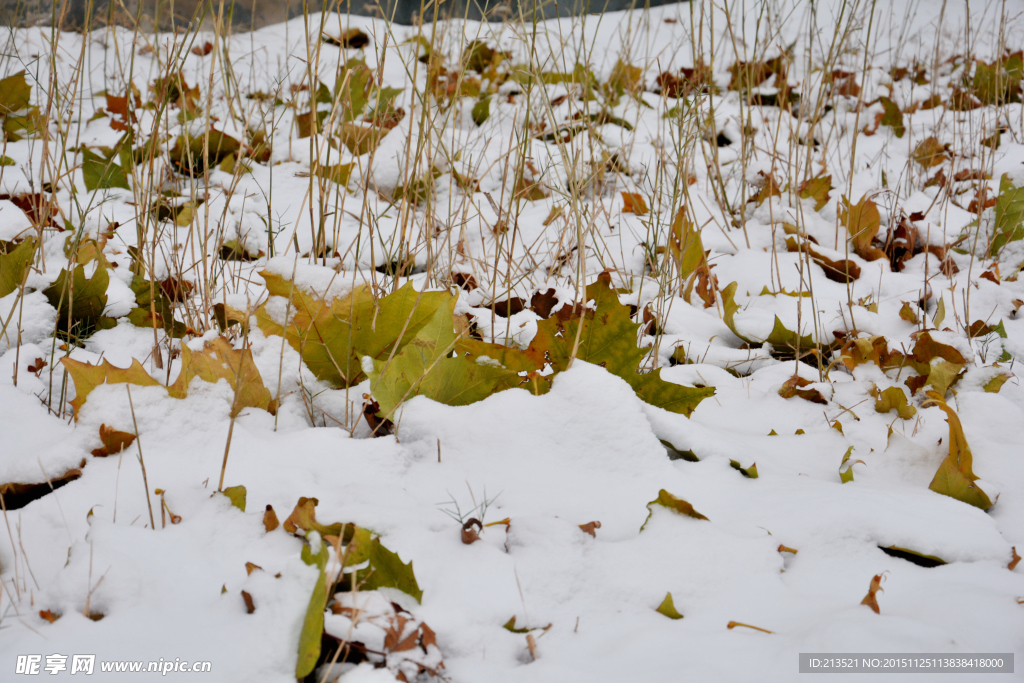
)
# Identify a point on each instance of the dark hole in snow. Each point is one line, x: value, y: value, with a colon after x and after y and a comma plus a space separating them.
x: 722, y: 140
x: 919, y: 560
x: 17, y: 496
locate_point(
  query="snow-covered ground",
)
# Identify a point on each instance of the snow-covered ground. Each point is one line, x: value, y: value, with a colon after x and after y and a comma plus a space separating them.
x: 487, y: 169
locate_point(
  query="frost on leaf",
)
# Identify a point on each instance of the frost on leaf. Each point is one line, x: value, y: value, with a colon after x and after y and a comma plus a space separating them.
x: 955, y: 477
x: 673, y: 503
x: 87, y: 377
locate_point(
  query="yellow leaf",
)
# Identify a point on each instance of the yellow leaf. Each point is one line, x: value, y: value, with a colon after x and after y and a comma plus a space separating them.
x: 668, y: 608
x: 893, y: 398
x: 955, y: 477
x: 219, y: 360
x: 633, y: 202
x: 87, y: 377
x: 685, y: 245
x: 673, y: 503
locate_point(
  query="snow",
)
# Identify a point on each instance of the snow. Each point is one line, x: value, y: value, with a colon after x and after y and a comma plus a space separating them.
x: 589, y: 450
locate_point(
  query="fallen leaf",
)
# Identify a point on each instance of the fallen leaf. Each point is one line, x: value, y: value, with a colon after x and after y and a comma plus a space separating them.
x: 113, y: 440
x: 673, y: 503
x: 236, y: 494
x: 1014, y: 560
x: 893, y: 398
x: 47, y: 614
x: 87, y: 377
x: 929, y: 153
x: 633, y: 202
x: 668, y: 608
x: 220, y: 360
x: 591, y: 528
x: 794, y: 387
x: 270, y: 521
x: 955, y: 477
x: 15, y: 264
x: 871, y: 599
x: 469, y: 534
x: 250, y: 607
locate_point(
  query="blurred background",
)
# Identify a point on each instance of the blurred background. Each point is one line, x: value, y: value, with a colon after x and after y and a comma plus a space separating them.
x: 169, y: 14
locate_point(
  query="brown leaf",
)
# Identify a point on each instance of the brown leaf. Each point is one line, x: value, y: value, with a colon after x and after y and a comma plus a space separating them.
x: 507, y: 308
x: 37, y: 366
x: 541, y: 303
x: 591, y: 528
x: 304, y: 517
x: 792, y: 387
x: 871, y: 599
x: 250, y: 568
x: 177, y: 290
x: 1014, y: 560
x: 250, y: 606
x: 202, y: 50
x: 270, y: 519
x: 787, y: 549
x: 469, y: 534
x: 114, y: 441
x: 48, y: 615
x: 465, y: 281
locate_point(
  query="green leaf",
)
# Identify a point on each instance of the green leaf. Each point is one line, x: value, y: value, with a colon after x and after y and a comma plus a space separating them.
x: 862, y: 221
x: 1009, y: 215
x: 892, y: 117
x: 423, y: 368
x: 955, y: 476
x: 80, y: 298
x: 194, y: 154
x: 996, y: 383
x: 15, y: 94
x: 102, y: 173
x: 143, y: 315
x: 943, y: 374
x: 15, y: 264
x: 482, y: 110
x: 236, y: 494
x: 388, y: 571
x: 510, y: 626
x: 678, y: 505
x: 7, y: 161
x: 350, y: 90
x: 313, y: 624
x: 893, y: 398
x: 668, y: 608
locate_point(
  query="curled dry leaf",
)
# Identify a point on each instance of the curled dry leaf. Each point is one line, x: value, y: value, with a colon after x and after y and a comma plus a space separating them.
x: 1013, y: 560
x: 250, y: 606
x: 250, y: 568
x: 470, y: 534
x: 871, y: 599
x: 270, y: 521
x: 591, y: 528
x: 794, y: 387
x: 787, y: 549
x: 114, y: 441
x: 48, y: 615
